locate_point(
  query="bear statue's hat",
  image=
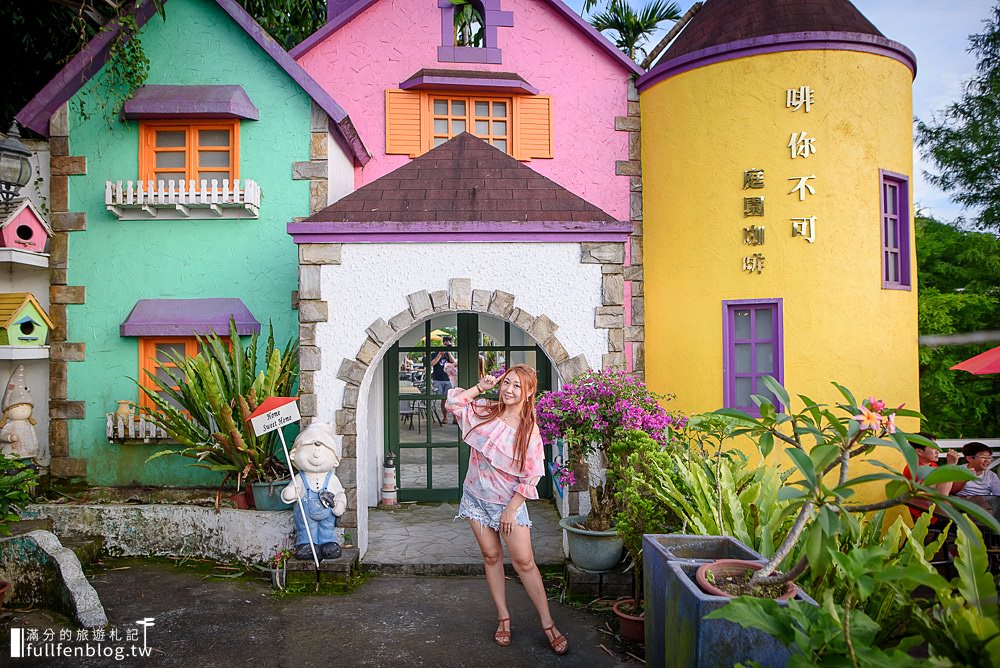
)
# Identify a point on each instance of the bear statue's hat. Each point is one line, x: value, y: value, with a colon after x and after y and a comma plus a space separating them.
x: 17, y: 390
x: 319, y: 432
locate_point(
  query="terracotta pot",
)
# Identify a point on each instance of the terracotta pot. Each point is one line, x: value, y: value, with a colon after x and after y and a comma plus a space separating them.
x: 727, y: 567
x: 242, y: 499
x: 632, y: 627
x: 4, y: 586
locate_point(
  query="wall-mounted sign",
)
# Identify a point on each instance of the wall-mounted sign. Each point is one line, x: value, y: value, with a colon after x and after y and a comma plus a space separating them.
x: 753, y: 263
x: 804, y: 227
x: 753, y: 206
x: 753, y: 235
x: 753, y: 178
x: 799, y: 98
x: 801, y: 145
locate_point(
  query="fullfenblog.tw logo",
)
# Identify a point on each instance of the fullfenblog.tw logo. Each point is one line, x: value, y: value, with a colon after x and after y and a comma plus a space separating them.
x: 109, y: 643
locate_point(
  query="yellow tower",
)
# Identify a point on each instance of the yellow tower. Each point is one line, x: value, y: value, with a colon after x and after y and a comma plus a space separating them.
x: 777, y: 206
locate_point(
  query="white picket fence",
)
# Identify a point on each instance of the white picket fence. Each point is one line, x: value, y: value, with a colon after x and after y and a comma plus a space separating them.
x: 176, y: 199
x: 119, y: 428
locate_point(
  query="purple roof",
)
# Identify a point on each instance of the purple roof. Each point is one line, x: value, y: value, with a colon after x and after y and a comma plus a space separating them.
x: 499, y: 82
x: 346, y: 12
x: 187, y: 317
x: 190, y: 102
x: 91, y: 59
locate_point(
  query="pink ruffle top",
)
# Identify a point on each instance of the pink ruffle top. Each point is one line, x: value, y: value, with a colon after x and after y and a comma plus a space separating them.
x: 494, y: 476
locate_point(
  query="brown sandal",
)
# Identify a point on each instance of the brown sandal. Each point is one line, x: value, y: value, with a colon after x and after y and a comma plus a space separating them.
x: 501, y: 637
x: 558, y: 643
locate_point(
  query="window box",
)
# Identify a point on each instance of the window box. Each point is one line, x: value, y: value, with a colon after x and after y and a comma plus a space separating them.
x: 147, y: 200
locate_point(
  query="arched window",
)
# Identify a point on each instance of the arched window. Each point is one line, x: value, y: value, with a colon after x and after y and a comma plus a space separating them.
x: 469, y: 31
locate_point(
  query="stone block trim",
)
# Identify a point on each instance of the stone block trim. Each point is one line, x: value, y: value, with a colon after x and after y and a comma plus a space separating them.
x: 631, y: 124
x: 319, y: 253
x: 316, y: 170
x: 68, y: 165
x: 61, y: 408
x: 69, y: 221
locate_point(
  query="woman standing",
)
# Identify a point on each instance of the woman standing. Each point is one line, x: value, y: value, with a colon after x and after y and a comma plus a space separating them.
x: 505, y: 465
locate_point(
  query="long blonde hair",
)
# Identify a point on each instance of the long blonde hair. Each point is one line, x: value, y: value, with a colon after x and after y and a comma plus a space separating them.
x: 492, y: 410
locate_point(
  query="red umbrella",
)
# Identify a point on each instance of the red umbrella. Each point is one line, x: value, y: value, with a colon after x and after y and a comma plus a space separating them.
x: 988, y: 362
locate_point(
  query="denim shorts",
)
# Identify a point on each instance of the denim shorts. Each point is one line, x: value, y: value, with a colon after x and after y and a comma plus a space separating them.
x: 488, y: 514
x: 441, y: 386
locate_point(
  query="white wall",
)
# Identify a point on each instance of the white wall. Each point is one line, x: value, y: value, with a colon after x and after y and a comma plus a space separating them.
x: 372, y: 282
x: 340, y: 171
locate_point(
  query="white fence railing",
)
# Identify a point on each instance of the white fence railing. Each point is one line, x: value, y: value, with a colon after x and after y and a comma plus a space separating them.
x: 177, y: 199
x: 120, y: 428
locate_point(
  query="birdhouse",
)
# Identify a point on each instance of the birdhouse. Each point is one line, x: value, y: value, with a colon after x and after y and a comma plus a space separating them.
x: 23, y: 321
x: 22, y: 226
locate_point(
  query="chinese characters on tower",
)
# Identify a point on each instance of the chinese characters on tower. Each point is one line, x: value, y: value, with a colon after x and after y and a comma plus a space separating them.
x: 801, y: 146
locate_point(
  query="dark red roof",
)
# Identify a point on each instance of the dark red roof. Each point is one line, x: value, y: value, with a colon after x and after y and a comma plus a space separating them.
x: 724, y: 21
x: 464, y: 179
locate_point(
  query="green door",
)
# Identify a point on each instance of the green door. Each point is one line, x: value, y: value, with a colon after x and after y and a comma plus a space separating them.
x: 431, y: 458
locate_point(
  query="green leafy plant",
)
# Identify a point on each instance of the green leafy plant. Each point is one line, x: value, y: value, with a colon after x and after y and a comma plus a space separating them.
x: 17, y: 481
x: 822, y: 445
x: 217, y: 390
x: 880, y: 612
x: 638, y: 512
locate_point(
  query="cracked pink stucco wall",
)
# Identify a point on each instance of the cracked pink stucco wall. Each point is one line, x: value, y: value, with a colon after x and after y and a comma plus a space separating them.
x: 393, y: 39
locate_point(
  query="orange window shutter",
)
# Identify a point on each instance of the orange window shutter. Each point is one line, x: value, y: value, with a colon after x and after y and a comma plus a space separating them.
x: 532, y: 127
x: 403, y: 123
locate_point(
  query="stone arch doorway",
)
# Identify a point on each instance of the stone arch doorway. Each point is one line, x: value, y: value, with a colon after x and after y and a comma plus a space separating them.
x: 430, y: 457
x: 358, y: 389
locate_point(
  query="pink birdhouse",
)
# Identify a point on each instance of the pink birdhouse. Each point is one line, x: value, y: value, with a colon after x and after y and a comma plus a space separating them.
x: 22, y: 226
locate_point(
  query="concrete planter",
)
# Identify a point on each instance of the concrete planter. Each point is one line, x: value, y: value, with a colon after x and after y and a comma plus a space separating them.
x: 592, y: 550
x: 676, y: 632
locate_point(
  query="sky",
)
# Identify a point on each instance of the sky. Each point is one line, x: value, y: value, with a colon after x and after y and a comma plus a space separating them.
x: 937, y: 32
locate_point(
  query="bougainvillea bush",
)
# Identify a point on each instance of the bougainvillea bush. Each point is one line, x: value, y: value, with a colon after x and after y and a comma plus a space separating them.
x: 594, y: 411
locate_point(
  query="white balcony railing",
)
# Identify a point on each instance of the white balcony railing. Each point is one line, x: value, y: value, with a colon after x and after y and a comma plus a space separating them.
x: 132, y: 428
x: 144, y: 200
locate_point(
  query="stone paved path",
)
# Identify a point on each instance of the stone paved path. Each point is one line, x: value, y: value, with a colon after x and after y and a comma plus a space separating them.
x: 386, y: 622
x: 423, y: 539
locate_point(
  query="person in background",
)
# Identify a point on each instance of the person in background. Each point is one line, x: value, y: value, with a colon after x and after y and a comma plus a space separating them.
x: 928, y: 456
x: 978, y: 459
x: 439, y: 376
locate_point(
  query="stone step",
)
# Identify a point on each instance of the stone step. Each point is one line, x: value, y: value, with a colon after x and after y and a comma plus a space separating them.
x: 442, y: 568
x: 609, y: 584
x: 86, y: 548
x: 22, y: 527
x: 330, y: 570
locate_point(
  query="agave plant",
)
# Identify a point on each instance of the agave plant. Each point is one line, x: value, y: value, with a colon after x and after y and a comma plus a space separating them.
x: 208, y: 399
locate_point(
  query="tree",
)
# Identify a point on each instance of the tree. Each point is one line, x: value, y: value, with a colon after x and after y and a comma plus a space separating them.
x: 964, y: 142
x: 633, y: 29
x: 959, y: 279
x: 42, y: 36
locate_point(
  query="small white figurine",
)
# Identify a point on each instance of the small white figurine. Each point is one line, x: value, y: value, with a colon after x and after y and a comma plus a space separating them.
x: 316, y: 453
x: 17, y: 427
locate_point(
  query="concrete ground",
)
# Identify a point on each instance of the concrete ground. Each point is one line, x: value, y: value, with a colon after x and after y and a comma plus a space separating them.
x: 387, y: 621
x: 423, y: 539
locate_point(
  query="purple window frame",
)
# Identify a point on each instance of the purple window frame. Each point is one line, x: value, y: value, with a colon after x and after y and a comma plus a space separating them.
x: 894, y: 222
x: 729, y: 341
x: 489, y: 53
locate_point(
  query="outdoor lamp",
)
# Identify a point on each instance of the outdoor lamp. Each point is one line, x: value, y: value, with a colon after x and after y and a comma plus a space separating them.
x: 15, y: 170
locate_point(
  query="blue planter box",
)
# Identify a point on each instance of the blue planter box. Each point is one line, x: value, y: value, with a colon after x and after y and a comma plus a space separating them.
x: 676, y: 632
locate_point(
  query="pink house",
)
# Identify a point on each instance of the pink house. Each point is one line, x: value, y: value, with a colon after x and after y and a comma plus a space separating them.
x: 551, y: 83
x: 501, y: 206
x: 23, y: 227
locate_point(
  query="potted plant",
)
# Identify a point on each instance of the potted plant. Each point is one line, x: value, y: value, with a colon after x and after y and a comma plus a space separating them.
x: 822, y: 444
x: 588, y: 414
x: 216, y: 391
